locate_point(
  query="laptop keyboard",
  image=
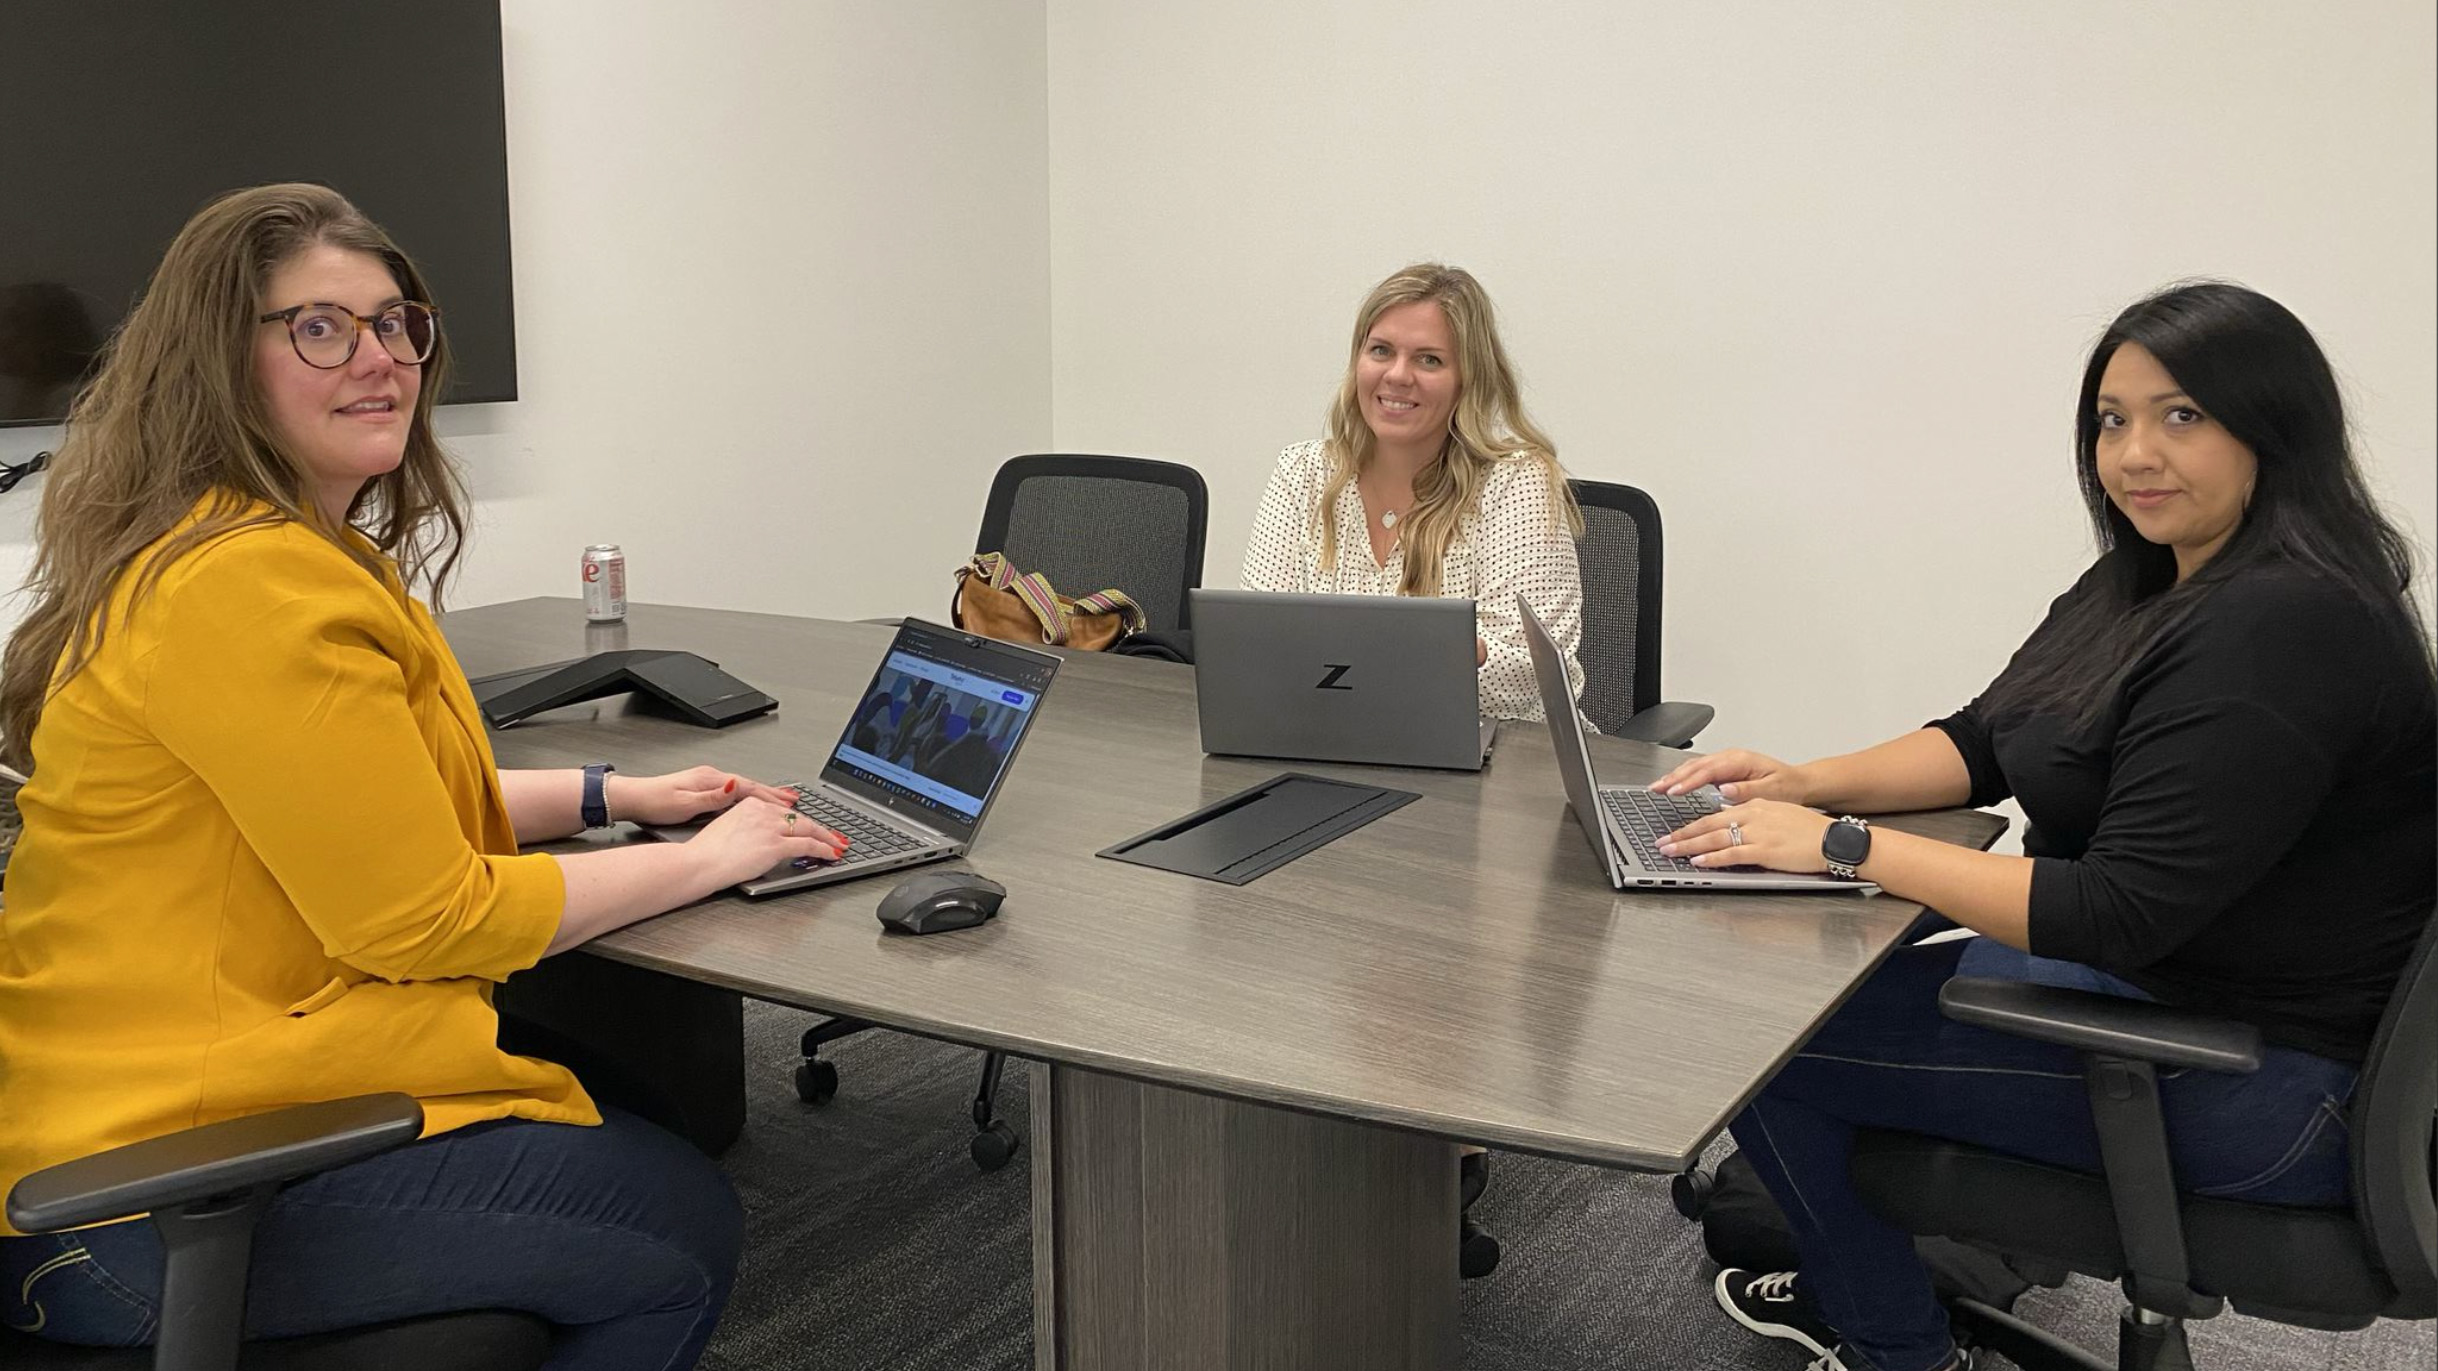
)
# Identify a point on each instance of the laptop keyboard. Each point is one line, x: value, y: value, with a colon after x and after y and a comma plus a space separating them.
x: 1647, y: 816
x: 868, y: 839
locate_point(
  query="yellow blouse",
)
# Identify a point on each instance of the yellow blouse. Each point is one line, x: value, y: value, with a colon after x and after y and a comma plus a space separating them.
x: 266, y: 861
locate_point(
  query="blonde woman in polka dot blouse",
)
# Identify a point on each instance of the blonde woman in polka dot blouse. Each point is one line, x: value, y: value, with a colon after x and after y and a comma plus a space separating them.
x: 1432, y: 481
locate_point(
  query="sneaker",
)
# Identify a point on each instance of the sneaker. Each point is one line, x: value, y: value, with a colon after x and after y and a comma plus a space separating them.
x: 1477, y: 1250
x: 1769, y: 1304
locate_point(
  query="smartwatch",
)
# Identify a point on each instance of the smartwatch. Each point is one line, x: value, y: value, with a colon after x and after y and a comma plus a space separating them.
x: 595, y: 808
x: 1846, y: 846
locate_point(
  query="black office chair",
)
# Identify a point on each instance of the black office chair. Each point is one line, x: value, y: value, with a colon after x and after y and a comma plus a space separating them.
x: 2181, y: 1256
x: 1621, y: 558
x: 1088, y: 523
x: 205, y: 1188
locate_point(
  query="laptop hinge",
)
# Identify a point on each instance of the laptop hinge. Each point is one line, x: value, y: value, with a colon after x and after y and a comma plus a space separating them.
x: 1621, y: 861
x: 896, y: 817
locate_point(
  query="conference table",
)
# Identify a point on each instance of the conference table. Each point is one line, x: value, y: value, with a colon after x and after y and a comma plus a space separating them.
x: 1245, y: 1130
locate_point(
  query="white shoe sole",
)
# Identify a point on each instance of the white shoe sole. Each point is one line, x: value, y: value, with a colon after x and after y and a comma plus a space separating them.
x: 1781, y: 1331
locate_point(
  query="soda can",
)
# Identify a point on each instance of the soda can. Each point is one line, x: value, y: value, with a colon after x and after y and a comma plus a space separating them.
x: 604, y: 583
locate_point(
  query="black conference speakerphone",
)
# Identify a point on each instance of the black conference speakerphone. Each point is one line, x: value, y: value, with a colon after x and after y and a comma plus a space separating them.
x: 679, y: 683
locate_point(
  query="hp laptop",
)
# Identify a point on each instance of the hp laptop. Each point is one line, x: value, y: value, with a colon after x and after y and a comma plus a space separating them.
x: 1626, y: 823
x: 1385, y: 679
x: 923, y: 755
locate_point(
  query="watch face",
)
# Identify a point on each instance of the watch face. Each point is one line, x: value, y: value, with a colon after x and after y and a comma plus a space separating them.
x: 1846, y: 844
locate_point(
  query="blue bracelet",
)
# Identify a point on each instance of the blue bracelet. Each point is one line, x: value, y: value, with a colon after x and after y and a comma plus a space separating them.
x: 595, y: 810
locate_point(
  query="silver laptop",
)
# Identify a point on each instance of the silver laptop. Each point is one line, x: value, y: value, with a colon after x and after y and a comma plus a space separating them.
x: 922, y: 757
x: 1384, y: 679
x: 1626, y: 823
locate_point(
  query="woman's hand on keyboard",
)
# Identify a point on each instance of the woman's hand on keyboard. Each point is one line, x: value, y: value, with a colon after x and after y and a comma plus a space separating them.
x: 1740, y: 775
x: 677, y: 796
x: 1770, y: 833
x: 757, y: 835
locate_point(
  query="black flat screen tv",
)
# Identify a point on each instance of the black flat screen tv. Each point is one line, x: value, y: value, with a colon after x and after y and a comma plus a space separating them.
x: 120, y: 118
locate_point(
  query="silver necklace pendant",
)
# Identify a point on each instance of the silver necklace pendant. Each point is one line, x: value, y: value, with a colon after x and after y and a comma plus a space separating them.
x: 1388, y: 518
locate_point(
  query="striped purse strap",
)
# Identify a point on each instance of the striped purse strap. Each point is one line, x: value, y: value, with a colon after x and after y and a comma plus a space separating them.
x: 1117, y: 602
x: 1034, y: 589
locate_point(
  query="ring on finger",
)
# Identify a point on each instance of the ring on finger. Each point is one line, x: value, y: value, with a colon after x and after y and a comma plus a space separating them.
x: 1735, y: 834
x: 790, y: 821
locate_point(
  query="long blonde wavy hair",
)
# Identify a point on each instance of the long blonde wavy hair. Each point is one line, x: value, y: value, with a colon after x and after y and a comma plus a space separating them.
x: 1488, y: 425
x: 174, y: 415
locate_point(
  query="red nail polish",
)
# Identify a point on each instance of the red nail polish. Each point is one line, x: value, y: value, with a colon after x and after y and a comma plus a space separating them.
x: 730, y: 788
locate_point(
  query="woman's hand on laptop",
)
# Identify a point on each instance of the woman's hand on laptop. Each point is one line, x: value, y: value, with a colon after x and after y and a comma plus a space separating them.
x: 1740, y: 775
x: 1770, y: 833
x: 677, y: 796
x: 757, y: 835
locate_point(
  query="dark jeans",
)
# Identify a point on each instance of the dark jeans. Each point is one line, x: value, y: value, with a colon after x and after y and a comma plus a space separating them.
x: 622, y: 1235
x: 1889, y: 1059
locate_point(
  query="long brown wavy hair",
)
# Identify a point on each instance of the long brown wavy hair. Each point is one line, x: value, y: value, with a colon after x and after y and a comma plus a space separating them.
x: 1488, y: 425
x: 175, y: 415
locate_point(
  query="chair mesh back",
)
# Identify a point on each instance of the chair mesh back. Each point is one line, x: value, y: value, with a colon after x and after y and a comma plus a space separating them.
x: 1089, y: 533
x: 1610, y: 556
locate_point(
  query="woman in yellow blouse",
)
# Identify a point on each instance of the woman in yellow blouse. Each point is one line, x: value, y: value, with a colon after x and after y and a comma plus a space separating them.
x: 267, y: 857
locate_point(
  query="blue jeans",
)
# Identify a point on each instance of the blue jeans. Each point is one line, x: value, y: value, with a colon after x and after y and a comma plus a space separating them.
x: 1889, y: 1059
x: 623, y: 1236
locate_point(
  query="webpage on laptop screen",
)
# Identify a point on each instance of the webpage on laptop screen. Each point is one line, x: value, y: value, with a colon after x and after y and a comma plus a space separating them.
x: 936, y: 731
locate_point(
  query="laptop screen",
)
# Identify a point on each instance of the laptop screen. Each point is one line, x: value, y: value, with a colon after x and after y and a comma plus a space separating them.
x: 936, y: 728
x: 1566, y: 731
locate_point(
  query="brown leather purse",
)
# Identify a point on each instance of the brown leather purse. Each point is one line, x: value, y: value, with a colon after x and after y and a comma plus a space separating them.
x: 997, y: 601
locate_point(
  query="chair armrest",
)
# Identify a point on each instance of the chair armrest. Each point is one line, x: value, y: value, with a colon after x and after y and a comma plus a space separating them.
x: 2110, y: 1025
x: 2123, y: 1043
x: 216, y: 1159
x: 1672, y: 723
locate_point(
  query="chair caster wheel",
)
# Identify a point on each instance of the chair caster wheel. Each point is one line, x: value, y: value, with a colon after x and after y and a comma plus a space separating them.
x: 1476, y: 1251
x: 816, y: 1082
x: 1690, y: 1190
x: 994, y: 1146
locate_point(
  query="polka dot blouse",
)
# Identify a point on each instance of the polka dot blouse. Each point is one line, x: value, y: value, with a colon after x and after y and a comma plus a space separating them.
x: 1512, y: 542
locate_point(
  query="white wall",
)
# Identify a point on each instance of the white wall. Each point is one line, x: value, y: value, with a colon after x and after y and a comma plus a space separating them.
x: 782, y: 300
x: 782, y: 297
x: 792, y: 279
x: 1821, y: 278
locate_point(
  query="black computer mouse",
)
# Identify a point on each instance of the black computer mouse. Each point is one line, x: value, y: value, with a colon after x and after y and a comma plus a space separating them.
x: 940, y: 902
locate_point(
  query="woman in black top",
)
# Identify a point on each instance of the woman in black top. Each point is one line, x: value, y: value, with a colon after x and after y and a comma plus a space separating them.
x: 2223, y: 739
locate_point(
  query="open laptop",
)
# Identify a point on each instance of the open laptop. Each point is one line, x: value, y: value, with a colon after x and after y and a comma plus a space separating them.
x: 923, y: 755
x: 1626, y: 823
x: 1384, y: 679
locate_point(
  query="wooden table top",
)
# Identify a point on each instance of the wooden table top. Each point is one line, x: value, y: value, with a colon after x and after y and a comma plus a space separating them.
x: 1458, y: 967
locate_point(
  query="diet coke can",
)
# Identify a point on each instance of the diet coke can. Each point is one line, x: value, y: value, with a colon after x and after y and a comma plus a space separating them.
x: 604, y: 583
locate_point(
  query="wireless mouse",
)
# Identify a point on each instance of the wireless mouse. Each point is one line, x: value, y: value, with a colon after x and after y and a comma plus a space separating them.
x: 940, y: 902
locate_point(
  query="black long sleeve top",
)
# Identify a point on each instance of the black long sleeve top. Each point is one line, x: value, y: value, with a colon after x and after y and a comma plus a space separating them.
x: 2250, y: 826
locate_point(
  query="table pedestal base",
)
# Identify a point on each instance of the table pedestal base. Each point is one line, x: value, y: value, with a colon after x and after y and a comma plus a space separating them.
x: 1182, y: 1232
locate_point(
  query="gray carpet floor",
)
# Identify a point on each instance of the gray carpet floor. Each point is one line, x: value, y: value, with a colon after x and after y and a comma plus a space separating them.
x: 874, y: 1245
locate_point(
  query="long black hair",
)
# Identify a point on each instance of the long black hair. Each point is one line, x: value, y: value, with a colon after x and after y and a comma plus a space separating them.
x: 2249, y: 364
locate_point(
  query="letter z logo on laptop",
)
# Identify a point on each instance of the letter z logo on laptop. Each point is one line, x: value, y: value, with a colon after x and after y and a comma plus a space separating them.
x: 1336, y: 670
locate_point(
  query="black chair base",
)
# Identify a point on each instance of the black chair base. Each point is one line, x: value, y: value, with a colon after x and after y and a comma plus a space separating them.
x: 2140, y: 1345
x: 994, y: 1143
x: 482, y: 1340
x: 1984, y: 1327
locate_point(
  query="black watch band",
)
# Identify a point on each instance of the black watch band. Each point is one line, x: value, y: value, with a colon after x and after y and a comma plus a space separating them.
x: 595, y: 808
x: 1846, y: 846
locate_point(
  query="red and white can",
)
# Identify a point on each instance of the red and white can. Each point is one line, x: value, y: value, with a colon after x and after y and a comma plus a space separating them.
x: 604, y: 583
